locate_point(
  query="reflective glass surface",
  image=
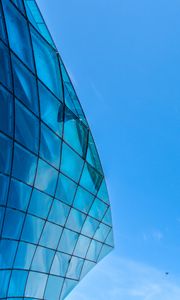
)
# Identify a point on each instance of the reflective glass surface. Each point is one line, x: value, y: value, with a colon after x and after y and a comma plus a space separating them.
x: 55, y: 216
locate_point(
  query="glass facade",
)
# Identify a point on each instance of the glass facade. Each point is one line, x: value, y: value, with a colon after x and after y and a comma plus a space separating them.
x: 55, y: 217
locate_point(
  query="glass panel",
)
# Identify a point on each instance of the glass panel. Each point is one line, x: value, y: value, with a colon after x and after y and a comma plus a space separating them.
x: 4, y: 282
x: 19, y: 195
x: 103, y: 193
x: 5, y: 154
x: 4, y: 186
x: 13, y: 224
x: 92, y: 155
x: 18, y: 33
x: 7, y: 253
x: 88, y: 265
x: 68, y: 241
x: 83, y: 200
x: 67, y: 287
x: 35, y: 285
x: 5, y: 71
x: 32, y: 229
x: 24, y: 158
x: 2, y: 26
x: 17, y: 283
x: 47, y: 64
x: 60, y: 264
x: 24, y: 255
x: 82, y: 246
x: 42, y: 260
x: 108, y: 218
x: 40, y: 204
x: 6, y: 111
x: 51, y: 235
x: 75, y: 133
x: 71, y: 163
x: 50, y: 110
x: 2, y: 212
x: 110, y: 239
x: 75, y: 268
x: 94, y: 250
x: 102, y: 232
x: 25, y: 87
x: 66, y: 189
x: 90, y: 227
x: 98, y: 209
x: 59, y: 213
x: 53, y: 288
x: 75, y: 220
x: 91, y: 179
x: 26, y: 128
x: 50, y: 146
x: 46, y: 177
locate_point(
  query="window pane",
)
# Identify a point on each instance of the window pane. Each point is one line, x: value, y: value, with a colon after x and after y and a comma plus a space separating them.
x: 42, y: 260
x: 18, y: 33
x: 102, y: 232
x: 68, y: 241
x: 19, y: 195
x: 5, y: 71
x: 47, y: 64
x: 91, y: 179
x: 4, y: 282
x: 2, y: 26
x: 90, y: 226
x: 50, y: 109
x: 83, y: 200
x: 98, y: 209
x: 103, y: 193
x: 24, y: 158
x: 35, y: 285
x: 32, y: 229
x: 53, y: 288
x: 13, y: 224
x: 46, y: 177
x: 94, y: 250
x: 67, y: 287
x: 17, y: 283
x: 27, y: 127
x: 59, y: 213
x: 25, y: 87
x: 5, y: 154
x: 75, y: 220
x: 60, y: 264
x: 24, y: 255
x: 66, y: 189
x: 71, y: 163
x: 82, y: 246
x: 88, y: 265
x: 4, y: 186
x: 40, y: 204
x: 50, y: 146
x: 51, y: 235
x: 6, y: 111
x: 7, y: 253
x: 19, y: 4
x: 75, y: 268
x: 75, y: 133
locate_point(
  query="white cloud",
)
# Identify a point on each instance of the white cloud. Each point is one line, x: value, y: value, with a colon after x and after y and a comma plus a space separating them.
x: 123, y: 279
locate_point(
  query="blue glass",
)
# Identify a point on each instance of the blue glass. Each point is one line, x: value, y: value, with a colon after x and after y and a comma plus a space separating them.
x: 88, y: 265
x: 32, y: 229
x: 5, y: 154
x: 75, y: 220
x: 60, y: 264
x: 91, y: 179
x: 28, y: 135
x: 50, y: 235
x: 75, y: 267
x: 98, y: 209
x: 71, y: 163
x: 25, y: 86
x: 13, y: 223
x: 7, y: 253
x: 94, y: 250
x: 83, y: 200
x: 17, y: 283
x: 6, y: 112
x: 59, y: 212
x: 19, y: 195
x: 46, y: 177
x: 53, y: 288
x: 18, y: 33
x: 35, y: 285
x: 66, y: 189
x: 4, y: 186
x: 29, y: 162
x: 68, y: 241
x: 4, y: 282
x: 40, y: 204
x: 5, y: 76
x: 50, y: 146
x: 2, y: 26
x: 82, y: 246
x: 24, y: 255
x: 42, y: 260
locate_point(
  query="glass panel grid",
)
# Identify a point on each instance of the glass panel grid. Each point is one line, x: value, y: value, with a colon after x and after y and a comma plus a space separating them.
x: 55, y: 218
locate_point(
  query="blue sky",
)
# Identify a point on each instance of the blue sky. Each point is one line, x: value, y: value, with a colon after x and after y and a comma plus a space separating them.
x: 123, y: 57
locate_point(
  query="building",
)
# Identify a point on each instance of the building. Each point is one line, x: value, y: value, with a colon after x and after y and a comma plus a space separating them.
x: 55, y: 218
